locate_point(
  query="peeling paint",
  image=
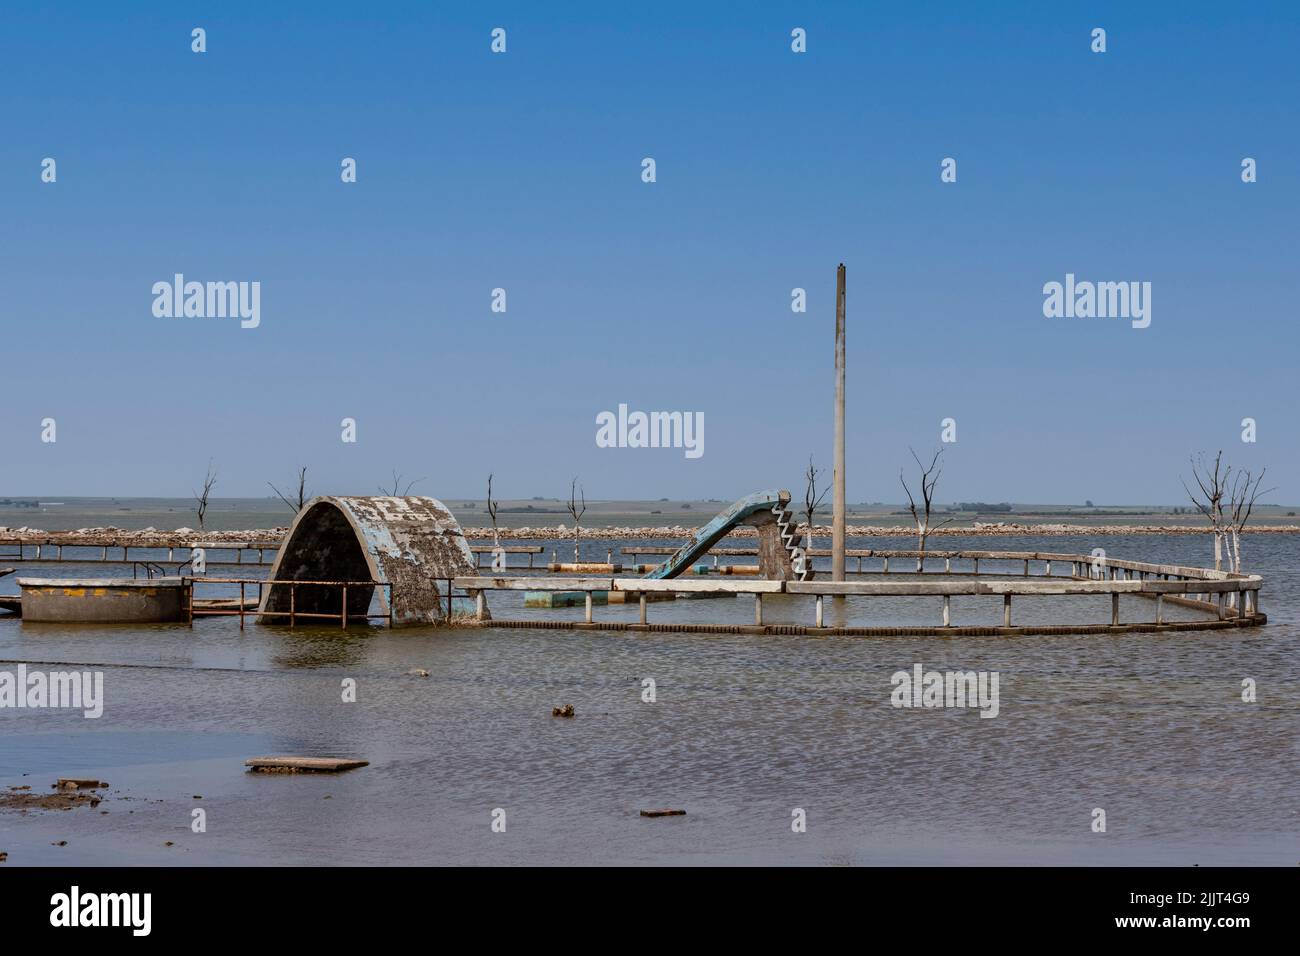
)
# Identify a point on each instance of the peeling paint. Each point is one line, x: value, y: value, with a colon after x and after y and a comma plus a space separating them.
x: 411, y: 543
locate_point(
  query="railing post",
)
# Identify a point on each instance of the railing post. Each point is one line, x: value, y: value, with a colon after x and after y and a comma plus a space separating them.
x: 1221, y: 603
x: 588, y: 606
x: 293, y: 598
x: 344, y: 617
x: 819, y: 608
x: 480, y: 605
x: 1006, y: 610
x: 758, y: 608
x: 241, y: 605
x: 1114, y: 609
x: 886, y: 569
x: 947, y: 610
x: 641, y: 600
x: 1160, y: 609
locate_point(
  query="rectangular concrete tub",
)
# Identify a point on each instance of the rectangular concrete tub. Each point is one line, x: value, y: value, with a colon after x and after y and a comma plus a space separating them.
x: 104, y: 600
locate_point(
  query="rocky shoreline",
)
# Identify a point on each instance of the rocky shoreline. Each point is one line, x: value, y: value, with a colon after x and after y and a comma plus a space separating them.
x: 271, y: 537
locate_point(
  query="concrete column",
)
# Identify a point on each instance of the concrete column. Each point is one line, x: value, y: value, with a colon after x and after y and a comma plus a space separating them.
x: 838, y: 505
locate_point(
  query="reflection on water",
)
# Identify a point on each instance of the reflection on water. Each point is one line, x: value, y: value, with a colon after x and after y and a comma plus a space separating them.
x: 744, y: 728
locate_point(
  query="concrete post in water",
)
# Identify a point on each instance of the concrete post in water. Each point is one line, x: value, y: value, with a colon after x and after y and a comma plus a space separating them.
x: 837, y: 517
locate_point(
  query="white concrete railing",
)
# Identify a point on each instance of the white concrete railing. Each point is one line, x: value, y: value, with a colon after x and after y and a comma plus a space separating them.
x: 1202, y: 588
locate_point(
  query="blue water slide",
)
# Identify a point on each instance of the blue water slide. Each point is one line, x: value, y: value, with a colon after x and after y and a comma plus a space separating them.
x: 706, y: 537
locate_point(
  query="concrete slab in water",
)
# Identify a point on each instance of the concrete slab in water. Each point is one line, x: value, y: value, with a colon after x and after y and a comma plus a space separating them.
x: 303, y: 764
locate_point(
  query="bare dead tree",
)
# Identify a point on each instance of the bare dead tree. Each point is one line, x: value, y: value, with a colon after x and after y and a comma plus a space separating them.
x: 1227, y: 497
x: 811, y: 499
x: 398, y: 490
x: 492, y: 513
x: 295, y: 504
x: 1212, y: 486
x: 929, y: 479
x: 577, y: 508
x: 202, y: 498
x: 1243, y: 492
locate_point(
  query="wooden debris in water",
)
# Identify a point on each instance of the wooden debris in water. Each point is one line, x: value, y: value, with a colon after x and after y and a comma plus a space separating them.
x: 75, y: 783
x: 302, y: 764
x: 565, y: 711
x: 663, y: 813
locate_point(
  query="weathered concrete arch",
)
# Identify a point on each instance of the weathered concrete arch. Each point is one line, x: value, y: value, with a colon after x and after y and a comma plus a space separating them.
x: 411, y: 543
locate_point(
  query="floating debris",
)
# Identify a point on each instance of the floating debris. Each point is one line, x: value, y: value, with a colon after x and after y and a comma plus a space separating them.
x: 417, y: 672
x: 75, y: 783
x: 663, y: 813
x: 303, y: 764
x: 565, y: 711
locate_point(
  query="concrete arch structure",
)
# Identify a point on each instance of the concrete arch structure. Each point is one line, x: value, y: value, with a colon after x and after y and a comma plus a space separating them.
x: 412, y: 543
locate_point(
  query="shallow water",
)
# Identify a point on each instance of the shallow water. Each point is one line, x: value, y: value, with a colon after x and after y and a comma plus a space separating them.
x: 1149, y: 727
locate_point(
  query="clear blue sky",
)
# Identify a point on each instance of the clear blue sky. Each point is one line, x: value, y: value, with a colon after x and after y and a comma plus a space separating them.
x: 523, y: 171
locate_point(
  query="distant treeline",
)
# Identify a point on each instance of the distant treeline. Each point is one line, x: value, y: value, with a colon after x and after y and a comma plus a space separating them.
x: 983, y: 506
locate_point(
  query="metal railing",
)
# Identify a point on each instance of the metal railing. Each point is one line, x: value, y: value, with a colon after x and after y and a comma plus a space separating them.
x: 293, y: 614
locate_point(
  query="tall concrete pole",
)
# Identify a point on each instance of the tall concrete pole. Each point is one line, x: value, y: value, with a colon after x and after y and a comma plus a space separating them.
x: 837, y: 518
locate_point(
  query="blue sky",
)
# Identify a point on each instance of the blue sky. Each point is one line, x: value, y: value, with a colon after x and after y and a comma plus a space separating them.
x: 523, y: 171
